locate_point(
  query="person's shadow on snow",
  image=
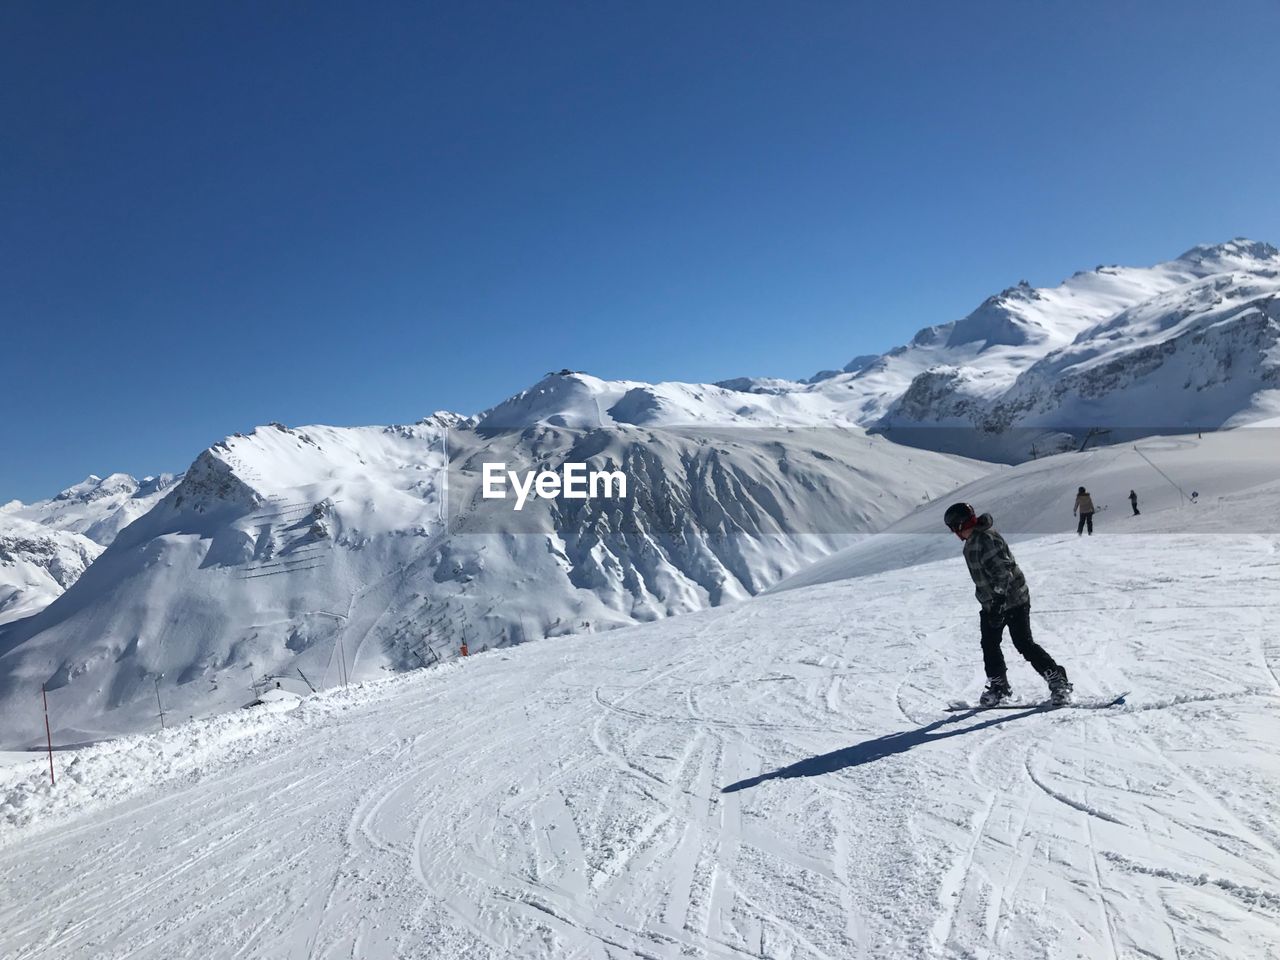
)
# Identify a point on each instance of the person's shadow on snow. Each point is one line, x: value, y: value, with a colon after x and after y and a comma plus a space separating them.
x: 871, y: 750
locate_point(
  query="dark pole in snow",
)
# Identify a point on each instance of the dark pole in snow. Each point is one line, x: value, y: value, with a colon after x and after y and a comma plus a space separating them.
x: 305, y: 680
x: 159, y: 705
x: 47, y: 735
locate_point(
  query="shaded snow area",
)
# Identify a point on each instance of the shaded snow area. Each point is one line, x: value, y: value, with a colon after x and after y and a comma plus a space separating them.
x: 774, y: 779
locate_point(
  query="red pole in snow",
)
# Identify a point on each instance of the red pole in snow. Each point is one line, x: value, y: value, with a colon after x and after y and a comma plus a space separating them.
x: 47, y: 735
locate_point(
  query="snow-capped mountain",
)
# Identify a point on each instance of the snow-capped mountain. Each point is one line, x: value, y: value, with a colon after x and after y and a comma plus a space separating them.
x: 1189, y: 343
x: 1185, y: 344
x: 45, y: 546
x: 321, y: 552
x: 37, y: 564
x: 1204, y: 355
x: 574, y: 399
x: 97, y: 507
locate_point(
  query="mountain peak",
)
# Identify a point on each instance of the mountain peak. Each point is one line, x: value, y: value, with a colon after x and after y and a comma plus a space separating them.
x: 1022, y: 290
x: 94, y: 487
x: 998, y: 320
x: 1240, y: 248
x: 446, y: 418
x: 564, y: 398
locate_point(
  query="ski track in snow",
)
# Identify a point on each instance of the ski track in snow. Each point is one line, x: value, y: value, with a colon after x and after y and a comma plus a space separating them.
x: 776, y: 779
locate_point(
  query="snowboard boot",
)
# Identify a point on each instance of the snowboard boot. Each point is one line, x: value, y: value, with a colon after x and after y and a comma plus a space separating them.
x: 998, y: 691
x: 1059, y: 686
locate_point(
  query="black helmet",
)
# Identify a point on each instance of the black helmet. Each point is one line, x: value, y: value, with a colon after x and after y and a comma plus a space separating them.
x: 958, y: 515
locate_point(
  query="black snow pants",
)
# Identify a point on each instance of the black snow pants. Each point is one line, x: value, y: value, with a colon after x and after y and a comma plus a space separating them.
x: 1086, y: 519
x: 1018, y: 620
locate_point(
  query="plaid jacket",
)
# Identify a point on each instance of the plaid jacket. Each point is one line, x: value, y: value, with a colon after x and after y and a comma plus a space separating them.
x: 994, y: 571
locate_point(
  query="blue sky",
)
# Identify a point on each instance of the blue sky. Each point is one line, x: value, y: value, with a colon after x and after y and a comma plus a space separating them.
x: 218, y: 215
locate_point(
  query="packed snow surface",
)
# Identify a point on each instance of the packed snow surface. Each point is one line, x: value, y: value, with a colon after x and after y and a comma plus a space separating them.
x: 776, y: 778
x: 1226, y: 481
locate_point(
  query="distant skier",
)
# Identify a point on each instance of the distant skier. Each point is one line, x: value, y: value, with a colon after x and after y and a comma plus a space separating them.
x: 1084, y: 507
x: 1002, y: 591
x: 1133, y: 502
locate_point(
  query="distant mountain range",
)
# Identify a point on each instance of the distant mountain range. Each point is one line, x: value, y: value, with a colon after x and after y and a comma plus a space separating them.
x: 318, y: 553
x: 45, y: 546
x: 1185, y: 345
x: 1189, y: 344
x: 315, y: 553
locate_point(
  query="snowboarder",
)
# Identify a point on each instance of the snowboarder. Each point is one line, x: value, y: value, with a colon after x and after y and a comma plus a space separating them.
x: 1133, y: 502
x: 1083, y: 507
x: 1002, y: 592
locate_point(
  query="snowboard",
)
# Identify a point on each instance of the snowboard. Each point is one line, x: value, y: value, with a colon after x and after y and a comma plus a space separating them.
x: 1088, y: 703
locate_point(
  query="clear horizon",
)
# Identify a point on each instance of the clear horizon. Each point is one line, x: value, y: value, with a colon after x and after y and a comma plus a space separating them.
x: 218, y: 217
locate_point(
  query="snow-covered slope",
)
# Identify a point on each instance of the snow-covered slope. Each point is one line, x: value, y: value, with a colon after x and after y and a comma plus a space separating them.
x: 1211, y: 483
x: 322, y: 552
x: 1190, y: 343
x: 772, y: 779
x: 37, y: 564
